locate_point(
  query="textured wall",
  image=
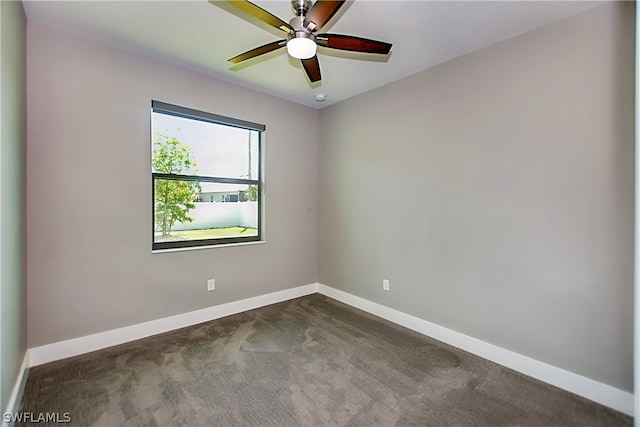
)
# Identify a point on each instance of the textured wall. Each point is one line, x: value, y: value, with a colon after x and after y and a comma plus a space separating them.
x: 90, y: 266
x: 495, y: 191
x: 12, y: 206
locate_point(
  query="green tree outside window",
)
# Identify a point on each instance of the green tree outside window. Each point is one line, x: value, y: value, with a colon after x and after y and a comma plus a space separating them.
x: 173, y: 198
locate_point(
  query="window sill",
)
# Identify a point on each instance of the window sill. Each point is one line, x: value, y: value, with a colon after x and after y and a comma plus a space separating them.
x: 195, y: 248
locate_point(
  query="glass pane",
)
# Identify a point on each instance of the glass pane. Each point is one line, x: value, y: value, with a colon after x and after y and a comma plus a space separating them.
x: 193, y: 147
x: 192, y: 210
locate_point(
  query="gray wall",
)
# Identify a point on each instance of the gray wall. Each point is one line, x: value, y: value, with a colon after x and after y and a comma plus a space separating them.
x: 12, y: 143
x: 90, y: 266
x: 496, y: 193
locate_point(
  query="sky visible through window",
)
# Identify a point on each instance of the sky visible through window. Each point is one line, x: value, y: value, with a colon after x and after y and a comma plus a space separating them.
x: 218, y: 150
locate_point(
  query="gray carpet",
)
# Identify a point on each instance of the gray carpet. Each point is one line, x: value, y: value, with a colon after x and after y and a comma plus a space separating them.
x: 311, y: 361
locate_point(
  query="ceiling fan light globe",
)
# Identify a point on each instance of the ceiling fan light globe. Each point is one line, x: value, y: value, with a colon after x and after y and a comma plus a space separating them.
x: 301, y: 48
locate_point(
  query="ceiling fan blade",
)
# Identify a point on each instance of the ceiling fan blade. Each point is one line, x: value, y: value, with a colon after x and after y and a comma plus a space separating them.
x: 312, y: 68
x: 321, y: 12
x: 352, y: 43
x: 269, y: 47
x: 261, y: 14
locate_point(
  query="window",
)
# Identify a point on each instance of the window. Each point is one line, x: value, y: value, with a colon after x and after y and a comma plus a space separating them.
x: 206, y: 178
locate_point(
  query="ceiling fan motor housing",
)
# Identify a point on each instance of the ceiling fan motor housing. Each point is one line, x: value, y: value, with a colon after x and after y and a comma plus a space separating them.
x: 299, y: 30
x: 301, y: 42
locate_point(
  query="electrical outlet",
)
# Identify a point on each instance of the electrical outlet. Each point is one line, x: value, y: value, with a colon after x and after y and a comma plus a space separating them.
x: 385, y: 284
x: 211, y: 285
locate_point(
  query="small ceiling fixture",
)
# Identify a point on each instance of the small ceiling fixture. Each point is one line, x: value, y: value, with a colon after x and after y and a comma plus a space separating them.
x: 321, y: 97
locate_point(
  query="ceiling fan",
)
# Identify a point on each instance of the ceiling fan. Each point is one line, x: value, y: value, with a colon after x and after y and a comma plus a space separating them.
x: 302, y: 40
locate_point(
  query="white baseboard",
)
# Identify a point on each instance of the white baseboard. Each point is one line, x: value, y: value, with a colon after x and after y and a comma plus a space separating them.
x: 18, y: 387
x: 598, y: 392
x: 604, y: 394
x: 73, y: 347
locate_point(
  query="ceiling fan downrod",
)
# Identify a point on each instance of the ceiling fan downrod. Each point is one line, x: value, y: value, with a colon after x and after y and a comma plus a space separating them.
x: 300, y: 7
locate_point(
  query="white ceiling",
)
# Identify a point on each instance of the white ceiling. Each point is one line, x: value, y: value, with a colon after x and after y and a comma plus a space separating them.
x: 201, y: 36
